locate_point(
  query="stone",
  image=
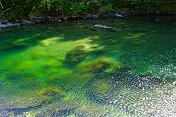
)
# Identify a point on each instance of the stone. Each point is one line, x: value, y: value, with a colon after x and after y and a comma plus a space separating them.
x: 40, y: 19
x: 5, y: 25
x: 65, y: 18
x: 104, y: 27
x: 4, y: 22
x: 90, y: 16
x: 101, y: 26
x: 119, y: 15
x: 26, y: 22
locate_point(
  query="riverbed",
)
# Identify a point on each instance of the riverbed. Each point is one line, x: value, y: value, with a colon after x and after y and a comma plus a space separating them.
x: 74, y: 69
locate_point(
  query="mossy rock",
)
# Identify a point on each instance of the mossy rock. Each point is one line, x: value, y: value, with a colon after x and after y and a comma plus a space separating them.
x: 76, y: 55
x: 100, y: 65
x: 51, y: 92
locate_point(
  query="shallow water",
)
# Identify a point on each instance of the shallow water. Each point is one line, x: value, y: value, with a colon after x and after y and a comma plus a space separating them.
x: 75, y: 69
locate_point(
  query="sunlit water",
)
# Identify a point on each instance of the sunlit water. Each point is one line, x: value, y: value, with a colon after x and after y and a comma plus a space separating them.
x: 74, y: 69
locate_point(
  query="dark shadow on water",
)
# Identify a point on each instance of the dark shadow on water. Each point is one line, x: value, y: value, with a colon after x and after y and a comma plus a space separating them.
x: 6, y: 112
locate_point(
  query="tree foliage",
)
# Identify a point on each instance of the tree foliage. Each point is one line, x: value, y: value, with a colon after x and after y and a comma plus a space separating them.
x: 24, y: 8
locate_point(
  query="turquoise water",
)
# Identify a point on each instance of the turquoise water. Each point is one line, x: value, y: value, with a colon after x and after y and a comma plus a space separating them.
x: 74, y: 69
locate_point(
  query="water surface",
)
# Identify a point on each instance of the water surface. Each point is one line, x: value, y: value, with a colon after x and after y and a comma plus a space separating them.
x: 74, y: 69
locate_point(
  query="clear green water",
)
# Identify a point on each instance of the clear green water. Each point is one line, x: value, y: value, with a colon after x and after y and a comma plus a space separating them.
x: 74, y: 69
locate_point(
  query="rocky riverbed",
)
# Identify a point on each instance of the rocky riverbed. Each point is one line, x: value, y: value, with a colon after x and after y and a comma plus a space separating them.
x: 47, y: 19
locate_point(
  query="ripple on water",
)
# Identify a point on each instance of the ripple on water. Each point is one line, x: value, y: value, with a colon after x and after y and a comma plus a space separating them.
x: 136, y: 95
x: 31, y: 59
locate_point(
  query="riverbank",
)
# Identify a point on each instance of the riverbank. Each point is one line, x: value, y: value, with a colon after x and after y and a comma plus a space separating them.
x: 43, y: 11
x: 4, y: 23
x: 48, y: 19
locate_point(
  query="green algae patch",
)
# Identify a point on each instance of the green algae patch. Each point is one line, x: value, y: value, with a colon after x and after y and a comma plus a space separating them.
x: 102, y: 64
x: 25, y: 65
x: 51, y: 91
x: 76, y: 55
x: 103, y: 86
x: 68, y: 79
x: 73, y: 68
x: 52, y: 64
x: 50, y: 41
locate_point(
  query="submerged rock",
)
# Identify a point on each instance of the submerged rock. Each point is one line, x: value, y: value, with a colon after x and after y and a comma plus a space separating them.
x: 51, y: 91
x: 11, y: 112
x: 104, y: 27
x: 26, y: 22
x: 64, y: 109
x: 76, y: 55
x: 63, y: 112
x: 99, y: 65
x: 157, y: 20
x: 119, y: 15
x: 20, y: 105
x: 101, y: 26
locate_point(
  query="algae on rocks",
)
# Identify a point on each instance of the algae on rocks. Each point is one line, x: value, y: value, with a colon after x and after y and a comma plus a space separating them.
x: 102, y: 64
x: 51, y: 91
x: 76, y: 55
